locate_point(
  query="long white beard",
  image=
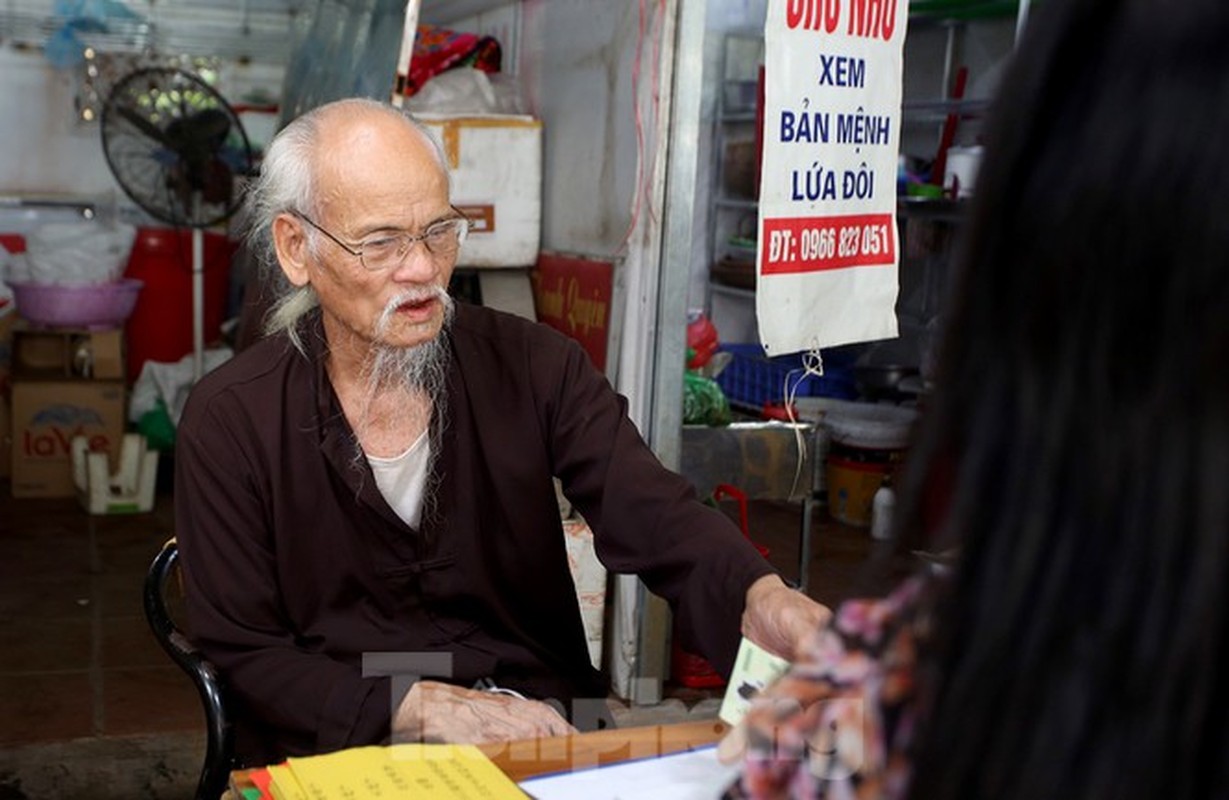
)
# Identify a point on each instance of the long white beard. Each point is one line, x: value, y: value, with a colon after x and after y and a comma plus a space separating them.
x: 410, y: 372
x: 421, y: 368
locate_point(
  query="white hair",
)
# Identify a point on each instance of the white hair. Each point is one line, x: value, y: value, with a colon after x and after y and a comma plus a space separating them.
x: 286, y: 184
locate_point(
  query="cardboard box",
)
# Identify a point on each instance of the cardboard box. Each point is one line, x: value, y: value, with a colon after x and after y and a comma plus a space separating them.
x: 57, y: 353
x: 496, y: 164
x: 7, y: 315
x: 47, y: 414
x: 6, y: 438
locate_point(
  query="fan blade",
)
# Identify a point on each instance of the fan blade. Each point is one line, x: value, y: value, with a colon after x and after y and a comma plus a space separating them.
x: 145, y: 126
x: 197, y: 137
x: 213, y: 125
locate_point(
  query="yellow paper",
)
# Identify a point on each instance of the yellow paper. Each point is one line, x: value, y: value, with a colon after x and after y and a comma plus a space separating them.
x: 283, y: 784
x: 449, y: 772
x: 457, y: 772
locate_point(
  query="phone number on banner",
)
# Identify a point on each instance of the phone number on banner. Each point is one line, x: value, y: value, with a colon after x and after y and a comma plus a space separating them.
x: 800, y: 244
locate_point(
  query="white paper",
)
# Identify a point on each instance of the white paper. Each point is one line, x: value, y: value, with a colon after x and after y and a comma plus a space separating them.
x: 691, y: 775
x: 754, y: 668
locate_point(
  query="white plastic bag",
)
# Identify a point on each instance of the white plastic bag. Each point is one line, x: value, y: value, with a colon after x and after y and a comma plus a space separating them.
x: 170, y: 382
x: 465, y: 90
x: 77, y: 252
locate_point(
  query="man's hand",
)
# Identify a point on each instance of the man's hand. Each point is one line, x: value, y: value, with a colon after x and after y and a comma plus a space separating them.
x: 439, y: 712
x: 779, y: 619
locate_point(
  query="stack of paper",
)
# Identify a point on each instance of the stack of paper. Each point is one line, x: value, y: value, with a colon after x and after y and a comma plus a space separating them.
x: 449, y: 772
x: 689, y: 775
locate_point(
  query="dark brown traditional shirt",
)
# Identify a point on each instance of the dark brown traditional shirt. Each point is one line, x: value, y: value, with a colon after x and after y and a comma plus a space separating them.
x: 296, y: 566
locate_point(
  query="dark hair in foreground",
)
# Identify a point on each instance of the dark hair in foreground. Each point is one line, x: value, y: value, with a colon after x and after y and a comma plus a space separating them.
x: 1082, y: 650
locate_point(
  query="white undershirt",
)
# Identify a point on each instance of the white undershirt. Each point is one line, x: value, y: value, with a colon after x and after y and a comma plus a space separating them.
x: 401, y: 479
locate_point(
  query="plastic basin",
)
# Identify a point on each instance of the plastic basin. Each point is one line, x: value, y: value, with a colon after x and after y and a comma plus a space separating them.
x: 85, y: 305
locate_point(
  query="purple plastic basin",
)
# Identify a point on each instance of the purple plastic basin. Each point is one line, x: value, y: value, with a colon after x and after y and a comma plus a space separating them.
x: 92, y: 305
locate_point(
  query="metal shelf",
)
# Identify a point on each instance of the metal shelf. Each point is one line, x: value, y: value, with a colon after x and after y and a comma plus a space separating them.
x: 736, y: 203
x: 940, y: 109
x: 731, y: 291
x: 256, y: 35
x: 931, y: 208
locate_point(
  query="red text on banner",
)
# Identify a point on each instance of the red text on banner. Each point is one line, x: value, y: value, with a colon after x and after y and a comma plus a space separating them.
x: 815, y: 244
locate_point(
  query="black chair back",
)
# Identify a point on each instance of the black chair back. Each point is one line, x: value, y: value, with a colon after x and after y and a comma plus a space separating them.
x: 219, y: 752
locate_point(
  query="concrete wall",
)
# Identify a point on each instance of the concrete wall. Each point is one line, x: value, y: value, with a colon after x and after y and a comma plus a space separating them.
x: 577, y: 62
x: 46, y: 149
x: 49, y: 149
x: 574, y: 62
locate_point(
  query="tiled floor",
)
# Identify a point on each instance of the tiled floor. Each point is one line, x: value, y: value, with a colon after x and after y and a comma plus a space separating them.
x: 81, y: 677
x: 76, y: 656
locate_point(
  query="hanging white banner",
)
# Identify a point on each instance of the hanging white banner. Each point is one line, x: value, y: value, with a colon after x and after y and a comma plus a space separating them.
x: 828, y: 252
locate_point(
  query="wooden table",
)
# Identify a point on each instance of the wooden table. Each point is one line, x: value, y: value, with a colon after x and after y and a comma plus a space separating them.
x: 530, y: 757
x: 527, y: 758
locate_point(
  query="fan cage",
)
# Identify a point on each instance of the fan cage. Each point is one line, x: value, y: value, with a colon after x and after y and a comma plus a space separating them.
x: 175, y: 146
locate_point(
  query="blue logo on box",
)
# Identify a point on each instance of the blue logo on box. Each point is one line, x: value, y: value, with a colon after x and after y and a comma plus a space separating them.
x: 67, y: 416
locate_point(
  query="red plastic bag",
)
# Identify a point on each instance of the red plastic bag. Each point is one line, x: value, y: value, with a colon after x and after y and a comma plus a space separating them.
x: 438, y: 49
x: 701, y: 340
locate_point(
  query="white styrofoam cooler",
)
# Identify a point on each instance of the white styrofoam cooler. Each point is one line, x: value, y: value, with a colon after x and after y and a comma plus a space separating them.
x: 496, y: 164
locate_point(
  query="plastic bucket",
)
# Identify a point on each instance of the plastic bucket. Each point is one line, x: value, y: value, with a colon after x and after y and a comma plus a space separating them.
x: 866, y: 443
x: 160, y: 327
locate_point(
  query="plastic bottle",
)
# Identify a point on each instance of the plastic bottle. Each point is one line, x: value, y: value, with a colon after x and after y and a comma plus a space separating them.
x: 882, y: 505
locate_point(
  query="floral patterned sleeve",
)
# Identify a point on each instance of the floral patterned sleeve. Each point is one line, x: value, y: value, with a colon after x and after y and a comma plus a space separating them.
x: 839, y: 723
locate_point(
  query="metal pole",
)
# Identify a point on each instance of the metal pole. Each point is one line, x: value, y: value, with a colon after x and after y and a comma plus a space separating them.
x: 198, y: 304
x: 680, y: 156
x: 682, y: 73
x: 1021, y: 19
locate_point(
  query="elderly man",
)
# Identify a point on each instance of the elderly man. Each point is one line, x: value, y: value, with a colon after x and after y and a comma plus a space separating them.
x: 369, y: 488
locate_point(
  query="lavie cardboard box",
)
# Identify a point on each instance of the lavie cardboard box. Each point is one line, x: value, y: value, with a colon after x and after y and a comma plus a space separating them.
x: 7, y: 315
x: 496, y: 164
x: 65, y: 383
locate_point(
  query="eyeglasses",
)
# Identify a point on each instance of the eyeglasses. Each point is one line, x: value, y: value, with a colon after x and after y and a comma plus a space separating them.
x: 389, y: 250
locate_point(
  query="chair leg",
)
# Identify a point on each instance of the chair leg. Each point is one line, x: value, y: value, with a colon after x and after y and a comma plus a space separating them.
x: 215, y: 774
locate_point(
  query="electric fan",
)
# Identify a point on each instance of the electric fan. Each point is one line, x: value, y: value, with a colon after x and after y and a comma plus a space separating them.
x: 176, y: 148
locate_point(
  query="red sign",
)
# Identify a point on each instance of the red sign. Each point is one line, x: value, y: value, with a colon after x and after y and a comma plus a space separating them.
x: 815, y: 244
x: 572, y: 295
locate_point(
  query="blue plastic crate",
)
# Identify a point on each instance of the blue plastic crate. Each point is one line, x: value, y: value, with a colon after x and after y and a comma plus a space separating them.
x: 754, y: 380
